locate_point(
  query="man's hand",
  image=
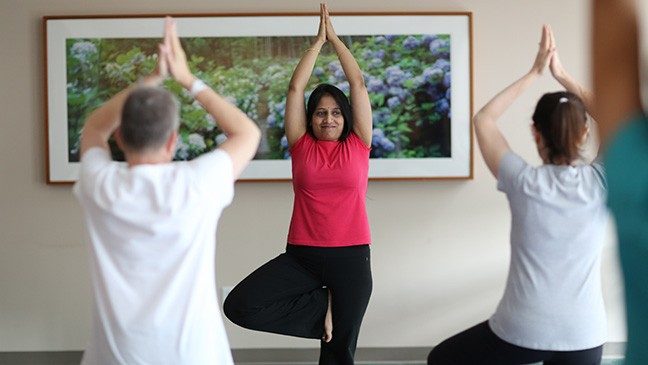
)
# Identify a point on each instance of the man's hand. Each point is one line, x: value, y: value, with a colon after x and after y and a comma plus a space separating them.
x: 175, y: 57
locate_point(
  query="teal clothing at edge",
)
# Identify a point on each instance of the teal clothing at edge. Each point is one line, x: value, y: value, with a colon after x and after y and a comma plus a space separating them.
x: 626, y: 163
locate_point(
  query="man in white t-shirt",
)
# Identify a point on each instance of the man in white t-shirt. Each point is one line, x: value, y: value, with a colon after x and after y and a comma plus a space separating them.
x: 152, y: 223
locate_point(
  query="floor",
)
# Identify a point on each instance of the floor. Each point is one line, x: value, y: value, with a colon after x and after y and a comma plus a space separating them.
x: 74, y: 357
x: 609, y: 361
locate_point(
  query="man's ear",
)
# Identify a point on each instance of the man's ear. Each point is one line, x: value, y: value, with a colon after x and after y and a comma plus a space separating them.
x: 170, y: 145
x: 119, y: 139
x: 537, y: 136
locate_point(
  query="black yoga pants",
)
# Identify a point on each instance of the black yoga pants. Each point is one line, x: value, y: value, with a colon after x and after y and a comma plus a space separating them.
x: 287, y: 296
x: 479, y: 345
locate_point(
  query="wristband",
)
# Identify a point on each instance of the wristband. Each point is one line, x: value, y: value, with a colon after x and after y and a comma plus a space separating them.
x: 196, y: 87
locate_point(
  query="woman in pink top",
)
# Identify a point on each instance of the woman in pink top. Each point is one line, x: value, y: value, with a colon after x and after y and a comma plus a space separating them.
x: 320, y: 287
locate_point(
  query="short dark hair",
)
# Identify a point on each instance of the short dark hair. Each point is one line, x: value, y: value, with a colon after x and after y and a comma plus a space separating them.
x: 149, y: 116
x: 561, y: 119
x: 341, y: 100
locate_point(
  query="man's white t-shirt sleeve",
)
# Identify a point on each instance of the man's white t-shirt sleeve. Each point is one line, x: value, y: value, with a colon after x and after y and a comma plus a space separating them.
x: 214, y: 174
x: 93, y: 161
x: 509, y: 175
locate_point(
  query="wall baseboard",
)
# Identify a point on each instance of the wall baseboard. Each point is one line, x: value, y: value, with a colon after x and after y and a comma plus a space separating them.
x: 268, y: 356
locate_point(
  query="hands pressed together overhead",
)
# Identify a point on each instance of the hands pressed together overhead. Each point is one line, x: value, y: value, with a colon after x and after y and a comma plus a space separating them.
x: 172, y: 58
x: 548, y: 55
x: 326, y: 32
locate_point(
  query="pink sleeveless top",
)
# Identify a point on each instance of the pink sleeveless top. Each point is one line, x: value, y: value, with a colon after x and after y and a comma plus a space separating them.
x: 330, y: 184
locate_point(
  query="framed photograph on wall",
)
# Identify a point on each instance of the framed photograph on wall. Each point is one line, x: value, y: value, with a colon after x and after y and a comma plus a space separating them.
x: 417, y: 68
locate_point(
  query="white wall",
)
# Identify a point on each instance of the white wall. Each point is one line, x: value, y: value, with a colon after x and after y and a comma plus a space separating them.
x: 440, y: 250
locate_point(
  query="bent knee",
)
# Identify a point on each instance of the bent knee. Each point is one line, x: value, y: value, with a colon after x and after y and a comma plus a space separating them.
x: 239, y: 311
x: 437, y: 356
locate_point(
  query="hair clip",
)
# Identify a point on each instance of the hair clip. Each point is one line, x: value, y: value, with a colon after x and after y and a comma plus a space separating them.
x: 563, y: 100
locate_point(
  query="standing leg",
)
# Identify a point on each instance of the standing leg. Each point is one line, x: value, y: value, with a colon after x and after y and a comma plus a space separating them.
x: 350, y: 282
x: 283, y: 296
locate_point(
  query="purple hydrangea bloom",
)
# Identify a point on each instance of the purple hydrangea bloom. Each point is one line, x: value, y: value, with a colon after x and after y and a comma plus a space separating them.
x: 394, y: 75
x: 448, y: 94
x: 375, y: 85
x: 442, y: 64
x: 390, y: 37
x: 393, y: 102
x: 197, y: 141
x: 182, y: 149
x: 440, y: 48
x: 82, y: 50
x: 379, y: 140
x: 318, y: 71
x: 380, y: 116
x: 435, y: 93
x: 220, y: 139
x: 429, y: 38
x: 344, y: 86
x: 418, y: 81
x: 284, y: 142
x: 334, y: 66
x: 432, y: 75
x: 380, y: 54
x: 339, y: 74
x: 271, y: 120
x: 411, y: 43
x: 280, y: 107
x: 375, y: 63
x: 443, y: 106
x: 399, y: 92
x: 447, y: 79
x: 381, y: 40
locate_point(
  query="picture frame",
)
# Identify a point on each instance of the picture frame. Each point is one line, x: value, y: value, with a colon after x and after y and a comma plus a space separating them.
x: 417, y: 67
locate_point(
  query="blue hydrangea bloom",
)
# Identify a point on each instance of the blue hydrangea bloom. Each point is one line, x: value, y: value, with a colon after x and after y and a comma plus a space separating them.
x: 271, y: 120
x: 432, y: 75
x: 442, y: 64
x: 83, y: 50
x: 394, y: 75
x: 440, y: 48
x: 443, y: 106
x: 318, y: 71
x: 398, y: 92
x: 393, y: 102
x: 284, y: 141
x: 381, y: 40
x: 344, y: 86
x: 375, y: 85
x: 429, y: 38
x: 411, y: 43
x: 447, y: 79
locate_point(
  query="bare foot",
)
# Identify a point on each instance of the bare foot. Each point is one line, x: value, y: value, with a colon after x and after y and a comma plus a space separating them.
x: 328, y: 321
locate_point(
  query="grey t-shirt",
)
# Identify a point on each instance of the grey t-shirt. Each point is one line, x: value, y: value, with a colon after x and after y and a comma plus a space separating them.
x: 553, y: 298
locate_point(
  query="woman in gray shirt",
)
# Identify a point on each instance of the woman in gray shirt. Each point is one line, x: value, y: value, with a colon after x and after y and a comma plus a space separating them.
x: 552, y: 308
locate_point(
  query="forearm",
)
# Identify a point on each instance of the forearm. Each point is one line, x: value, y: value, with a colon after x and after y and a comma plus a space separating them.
x: 574, y: 87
